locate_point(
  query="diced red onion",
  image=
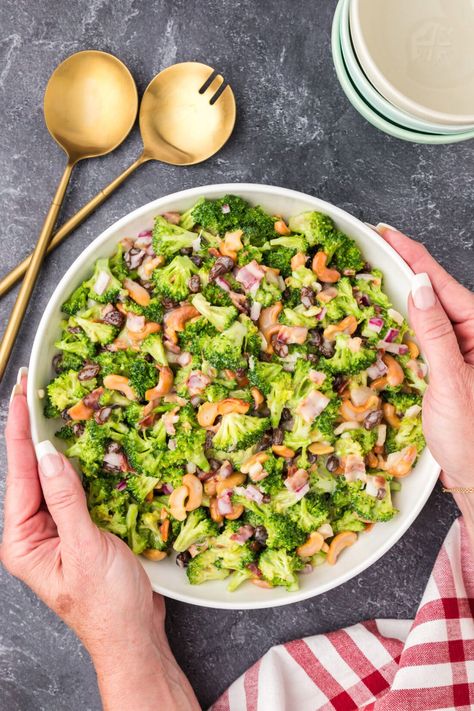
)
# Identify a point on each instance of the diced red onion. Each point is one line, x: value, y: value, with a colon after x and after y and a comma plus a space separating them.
x: 196, y: 245
x: 243, y: 534
x: 167, y: 489
x: 397, y: 348
x: 224, y: 503
x: 255, y: 570
x: 184, y: 359
x: 191, y: 468
x: 250, y: 492
x: 145, y: 233
x: 360, y: 395
x: 195, y: 401
x: 301, y: 492
x: 121, y: 485
x: 297, y: 481
x: 365, y: 277
x: 376, y: 324
x: 377, y: 369
x: 345, y: 426
x: 222, y: 283
x: 135, y: 322
x: 321, y: 314
x: 101, y: 283
x: 251, y: 275
x: 225, y: 209
x: 326, y: 530
x: 226, y: 469
x: 172, y: 217
x: 255, y: 310
x: 364, y: 300
x: 317, y: 376
x: 306, y: 569
x: 114, y: 459
x: 391, y: 335
x: 172, y: 444
x: 395, y: 316
x: 381, y: 435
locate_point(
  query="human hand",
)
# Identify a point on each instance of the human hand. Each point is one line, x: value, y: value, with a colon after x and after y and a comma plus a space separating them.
x: 441, y: 312
x: 89, y: 577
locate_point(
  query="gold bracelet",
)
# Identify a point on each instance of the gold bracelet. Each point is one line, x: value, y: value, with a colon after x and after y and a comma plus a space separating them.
x: 459, y: 490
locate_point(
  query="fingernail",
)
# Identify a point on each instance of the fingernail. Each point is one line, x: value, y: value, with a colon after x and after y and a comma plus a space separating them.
x: 382, y: 226
x: 372, y: 227
x: 23, y: 371
x: 50, y: 461
x: 17, y: 390
x: 422, y: 292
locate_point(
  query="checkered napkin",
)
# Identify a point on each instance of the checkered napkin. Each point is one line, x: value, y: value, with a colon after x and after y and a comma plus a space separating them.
x: 380, y: 665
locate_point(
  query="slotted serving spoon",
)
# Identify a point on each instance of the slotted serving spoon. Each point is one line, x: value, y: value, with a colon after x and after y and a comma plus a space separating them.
x: 186, y: 115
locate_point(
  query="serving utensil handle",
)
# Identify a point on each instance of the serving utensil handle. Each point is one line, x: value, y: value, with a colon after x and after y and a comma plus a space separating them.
x: 17, y: 272
x: 23, y: 298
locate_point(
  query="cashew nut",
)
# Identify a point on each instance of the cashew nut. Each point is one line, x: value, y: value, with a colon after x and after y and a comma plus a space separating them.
x: 235, y: 479
x: 207, y: 413
x: 232, y: 404
x: 413, y: 349
x: 379, y: 383
x: 257, y: 397
x: 372, y: 460
x: 194, y: 487
x: 120, y: 383
x: 165, y: 383
x: 165, y: 529
x: 399, y: 464
x: 176, y: 320
x: 137, y: 292
x: 338, y: 543
x: 281, y: 228
x: 214, y: 511
x: 258, y: 458
x: 322, y: 271
x: 352, y: 412
x: 299, y: 260
x: 210, y: 487
x: 261, y: 583
x: 177, y: 502
x: 237, y: 511
x: 282, y: 451
x: 269, y: 317
x: 311, y: 546
x: 347, y: 325
x: 390, y: 415
x: 153, y: 554
x: 231, y: 244
x: 395, y: 375
x: 320, y: 448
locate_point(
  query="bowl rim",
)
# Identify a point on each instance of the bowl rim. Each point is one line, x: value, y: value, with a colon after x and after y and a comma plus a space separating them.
x: 385, y: 87
x: 368, y: 112
x: 222, y: 189
x: 374, y: 97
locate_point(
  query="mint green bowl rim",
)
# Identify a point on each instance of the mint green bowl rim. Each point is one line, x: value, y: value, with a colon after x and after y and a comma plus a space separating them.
x: 367, y: 112
x: 372, y: 97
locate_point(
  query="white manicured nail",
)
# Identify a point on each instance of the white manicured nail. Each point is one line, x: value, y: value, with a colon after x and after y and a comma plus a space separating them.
x: 422, y: 291
x: 382, y: 226
x: 50, y: 461
x: 21, y: 373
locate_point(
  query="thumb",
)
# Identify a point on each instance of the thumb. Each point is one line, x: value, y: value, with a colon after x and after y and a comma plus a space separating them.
x: 64, y: 495
x: 433, y: 328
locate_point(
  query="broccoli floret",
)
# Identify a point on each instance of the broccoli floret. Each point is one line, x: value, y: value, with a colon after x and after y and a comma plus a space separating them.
x: 107, y: 506
x: 172, y: 280
x: 280, y: 568
x: 347, y: 255
x: 140, y: 486
x: 205, y: 566
x: 300, y: 317
x: 366, y: 438
x: 152, y: 312
x: 133, y: 413
x: 238, y: 431
x: 198, y: 526
x: 300, y: 434
x: 273, y: 483
x: 66, y: 389
x: 117, y: 264
x: 195, y: 335
x: 283, y: 532
x: 346, y: 360
x: 215, y: 392
x: 115, y: 363
x: 325, y: 423
x: 315, y: 226
x: 153, y: 345
x: 292, y: 296
x: 263, y: 375
x: 280, y: 258
x: 95, y: 331
x: 349, y: 521
x: 49, y: 410
x: 221, y: 352
x: 169, y: 239
x: 89, y: 448
x: 293, y: 242
x: 238, y: 577
x: 65, y: 433
x: 267, y: 293
x: 301, y: 277
x: 75, y: 344
x: 280, y: 393
x: 149, y: 526
x: 77, y: 300
x: 414, y: 380
x: 142, y: 453
x: 370, y: 508
x: 249, y: 254
x: 137, y: 541
x: 220, y: 317
x: 346, y: 445
x: 402, y: 400
x: 215, y: 295
x: 69, y: 361
x: 410, y: 432
x: 309, y: 513
x: 373, y: 289
x: 143, y: 376
x: 230, y: 213
x: 190, y: 447
x: 344, y: 303
x: 103, y: 273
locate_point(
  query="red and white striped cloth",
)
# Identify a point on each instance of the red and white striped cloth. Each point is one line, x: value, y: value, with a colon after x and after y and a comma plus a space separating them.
x: 380, y: 665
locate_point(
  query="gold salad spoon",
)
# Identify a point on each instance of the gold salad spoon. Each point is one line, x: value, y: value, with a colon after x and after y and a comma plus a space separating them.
x: 90, y: 106
x: 186, y: 115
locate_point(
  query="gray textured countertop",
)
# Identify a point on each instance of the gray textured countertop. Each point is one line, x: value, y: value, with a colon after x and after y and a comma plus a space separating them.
x: 295, y: 128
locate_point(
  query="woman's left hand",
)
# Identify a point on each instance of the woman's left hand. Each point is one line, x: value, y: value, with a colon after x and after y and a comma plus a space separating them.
x: 89, y: 577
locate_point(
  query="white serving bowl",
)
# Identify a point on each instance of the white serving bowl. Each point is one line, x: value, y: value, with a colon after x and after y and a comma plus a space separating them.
x: 419, y: 55
x: 165, y: 575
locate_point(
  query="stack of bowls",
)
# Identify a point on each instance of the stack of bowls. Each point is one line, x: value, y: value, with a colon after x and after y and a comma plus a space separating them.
x: 407, y: 66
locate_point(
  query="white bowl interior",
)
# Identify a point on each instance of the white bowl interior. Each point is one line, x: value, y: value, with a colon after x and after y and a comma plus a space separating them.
x: 165, y: 575
x: 419, y: 55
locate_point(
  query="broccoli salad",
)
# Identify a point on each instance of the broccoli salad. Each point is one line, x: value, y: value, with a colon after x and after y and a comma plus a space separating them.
x: 238, y: 389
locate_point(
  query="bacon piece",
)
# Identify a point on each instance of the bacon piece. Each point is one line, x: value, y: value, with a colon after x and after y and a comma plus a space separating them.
x: 312, y: 405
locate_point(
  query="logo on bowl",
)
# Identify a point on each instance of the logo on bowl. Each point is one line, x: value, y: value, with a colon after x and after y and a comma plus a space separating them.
x: 434, y: 55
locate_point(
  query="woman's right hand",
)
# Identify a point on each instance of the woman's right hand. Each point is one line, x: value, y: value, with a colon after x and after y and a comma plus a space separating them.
x: 441, y: 313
